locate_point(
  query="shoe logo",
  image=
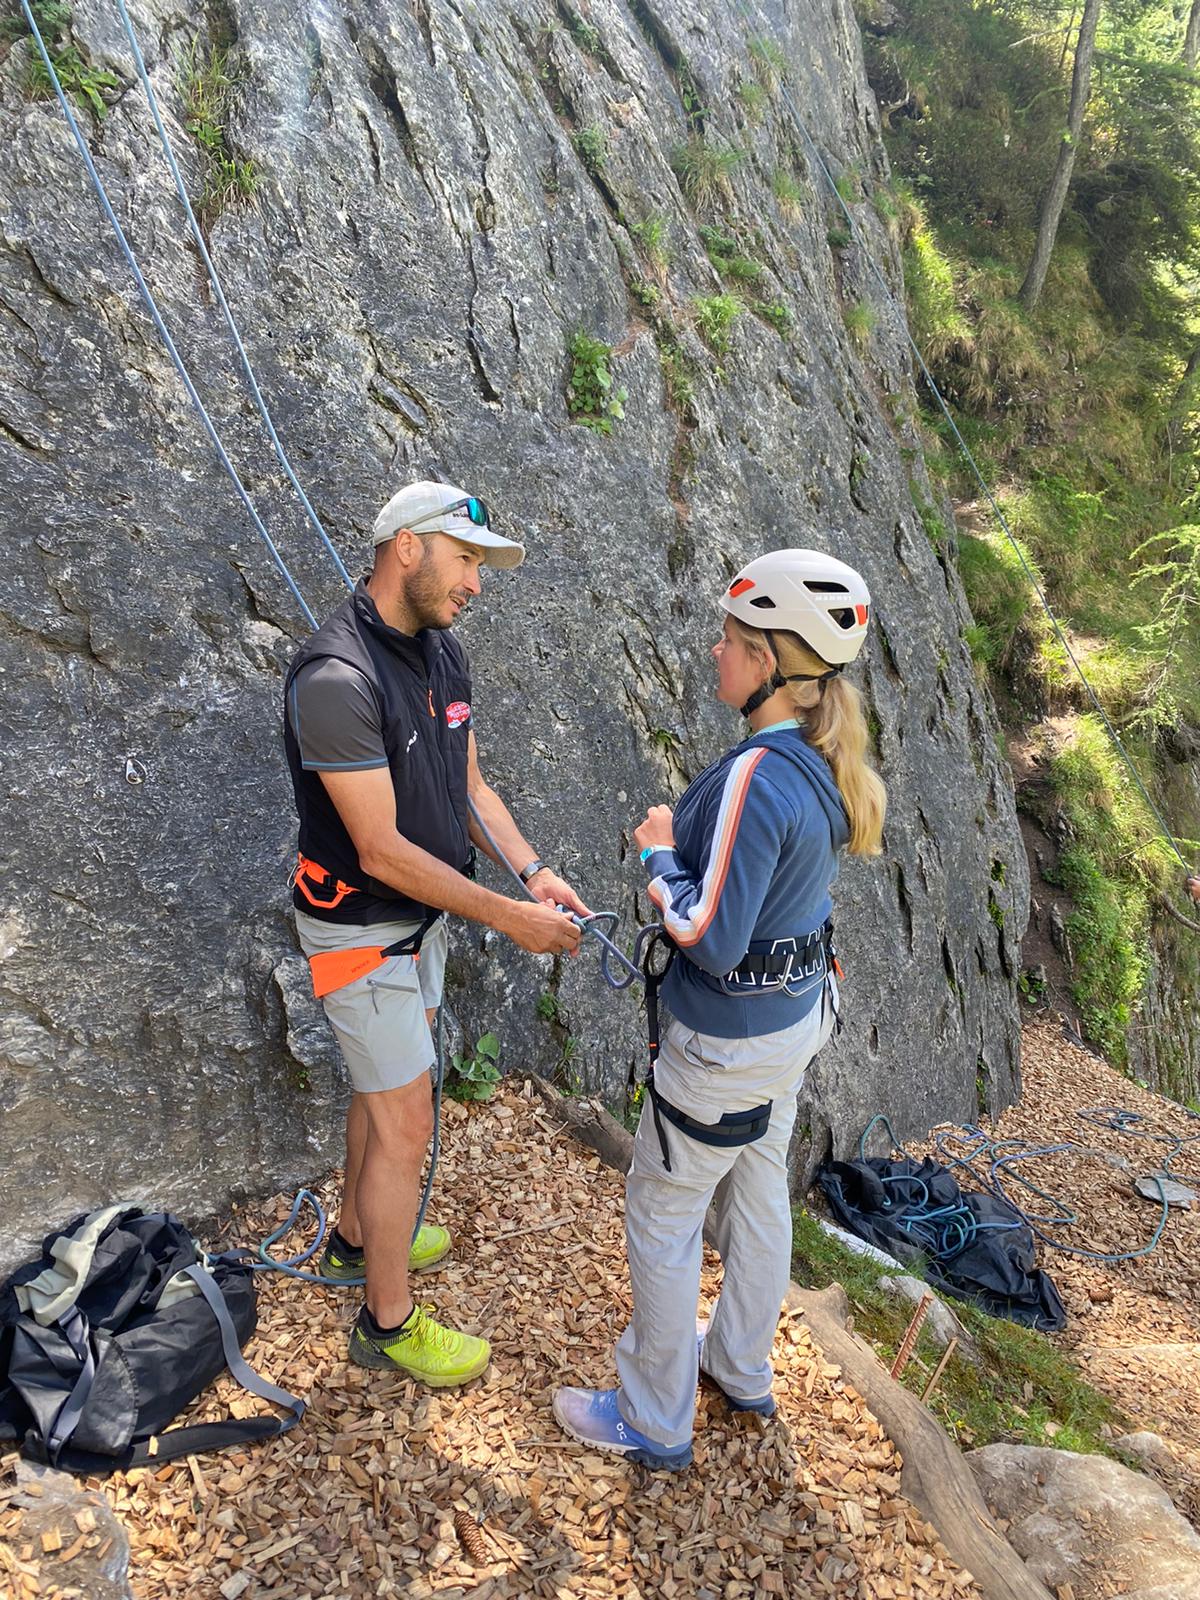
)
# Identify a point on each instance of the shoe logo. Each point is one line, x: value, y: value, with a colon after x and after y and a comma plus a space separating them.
x: 458, y: 713
x: 411, y: 742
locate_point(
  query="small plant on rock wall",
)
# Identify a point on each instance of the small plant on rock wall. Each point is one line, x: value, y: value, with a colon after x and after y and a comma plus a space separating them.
x: 768, y: 60
x: 651, y: 235
x: 591, y: 398
x: 584, y: 33
x: 206, y: 86
x: 753, y: 97
x: 704, y: 171
x: 789, y: 194
x: 591, y: 146
x: 475, y: 1076
x: 860, y: 319
x: 727, y: 256
x: 715, y: 316
x: 779, y: 317
x: 76, y: 76
x: 678, y: 378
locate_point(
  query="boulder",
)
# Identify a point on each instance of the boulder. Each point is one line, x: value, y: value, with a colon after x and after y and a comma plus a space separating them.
x: 1089, y: 1522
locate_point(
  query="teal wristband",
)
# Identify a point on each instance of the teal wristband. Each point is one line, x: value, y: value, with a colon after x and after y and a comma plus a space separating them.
x: 648, y: 852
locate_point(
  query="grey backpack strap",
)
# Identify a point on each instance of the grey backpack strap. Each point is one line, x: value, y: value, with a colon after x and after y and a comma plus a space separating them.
x: 74, y: 1328
x: 234, y: 1359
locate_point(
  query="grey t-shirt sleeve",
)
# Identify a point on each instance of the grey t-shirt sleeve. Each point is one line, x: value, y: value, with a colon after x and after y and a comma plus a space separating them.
x: 335, y: 718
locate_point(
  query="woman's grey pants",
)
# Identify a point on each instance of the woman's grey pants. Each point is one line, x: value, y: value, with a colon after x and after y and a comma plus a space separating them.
x: 664, y: 1218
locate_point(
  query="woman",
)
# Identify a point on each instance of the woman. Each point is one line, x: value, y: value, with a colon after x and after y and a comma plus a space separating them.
x: 741, y: 875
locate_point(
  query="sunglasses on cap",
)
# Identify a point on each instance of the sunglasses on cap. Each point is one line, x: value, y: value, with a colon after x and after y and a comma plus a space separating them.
x: 476, y: 511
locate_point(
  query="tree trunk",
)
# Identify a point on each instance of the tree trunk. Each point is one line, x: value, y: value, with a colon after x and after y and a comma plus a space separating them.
x: 1056, y: 193
x: 1184, y: 396
x: 1191, y: 39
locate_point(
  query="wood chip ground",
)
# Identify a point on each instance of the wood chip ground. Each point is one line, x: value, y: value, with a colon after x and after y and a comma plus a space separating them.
x: 1133, y: 1326
x: 362, y: 1499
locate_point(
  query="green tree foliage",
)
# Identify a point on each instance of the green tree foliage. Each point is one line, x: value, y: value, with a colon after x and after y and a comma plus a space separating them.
x: 1083, y: 411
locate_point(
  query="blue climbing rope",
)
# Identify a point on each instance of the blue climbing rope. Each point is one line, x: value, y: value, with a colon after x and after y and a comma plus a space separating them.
x: 965, y: 449
x: 214, y: 279
x: 156, y: 316
x: 944, y: 1232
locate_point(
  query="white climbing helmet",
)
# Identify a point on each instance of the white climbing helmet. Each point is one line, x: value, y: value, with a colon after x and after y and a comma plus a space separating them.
x: 804, y: 592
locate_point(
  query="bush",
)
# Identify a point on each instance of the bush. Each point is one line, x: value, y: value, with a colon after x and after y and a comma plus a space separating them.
x: 726, y: 255
x: 475, y: 1076
x: 789, y: 193
x: 652, y: 236
x: 591, y: 146
x: 860, y: 320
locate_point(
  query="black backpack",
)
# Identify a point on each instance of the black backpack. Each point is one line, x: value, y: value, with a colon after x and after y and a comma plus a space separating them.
x: 120, y: 1325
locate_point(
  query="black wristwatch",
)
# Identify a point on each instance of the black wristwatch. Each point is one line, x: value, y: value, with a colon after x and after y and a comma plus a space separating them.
x: 527, y: 872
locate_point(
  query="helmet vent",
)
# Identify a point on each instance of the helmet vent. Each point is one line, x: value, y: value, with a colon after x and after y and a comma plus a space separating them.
x: 817, y: 587
x: 843, y: 617
x: 763, y: 602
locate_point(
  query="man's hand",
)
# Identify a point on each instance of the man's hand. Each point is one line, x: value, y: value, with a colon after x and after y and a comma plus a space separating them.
x: 541, y: 929
x: 1193, y: 888
x: 657, y: 829
x: 552, y: 890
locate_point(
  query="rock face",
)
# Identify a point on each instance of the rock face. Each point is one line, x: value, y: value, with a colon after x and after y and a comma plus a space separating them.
x: 446, y: 193
x: 1090, y: 1523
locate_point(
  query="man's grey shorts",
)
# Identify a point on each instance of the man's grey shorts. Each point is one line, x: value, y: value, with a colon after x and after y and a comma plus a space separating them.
x: 379, y: 1021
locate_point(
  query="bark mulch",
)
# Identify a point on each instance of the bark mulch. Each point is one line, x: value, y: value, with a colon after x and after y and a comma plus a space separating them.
x: 386, y: 1488
x: 1134, y: 1326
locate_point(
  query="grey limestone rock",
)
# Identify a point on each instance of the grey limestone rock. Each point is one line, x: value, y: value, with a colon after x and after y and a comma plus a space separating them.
x: 424, y: 239
x: 940, y: 1321
x: 1089, y: 1522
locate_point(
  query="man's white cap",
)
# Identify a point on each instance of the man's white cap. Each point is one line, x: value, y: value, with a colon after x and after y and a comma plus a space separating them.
x: 441, y: 508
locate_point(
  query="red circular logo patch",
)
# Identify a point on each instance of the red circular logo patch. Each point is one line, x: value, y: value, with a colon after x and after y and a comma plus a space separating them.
x: 458, y: 713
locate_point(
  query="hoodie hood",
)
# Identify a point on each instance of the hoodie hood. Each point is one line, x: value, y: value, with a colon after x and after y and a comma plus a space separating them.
x: 816, y: 769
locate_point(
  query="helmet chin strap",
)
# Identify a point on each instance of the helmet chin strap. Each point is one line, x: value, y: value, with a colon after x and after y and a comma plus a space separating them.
x: 777, y: 680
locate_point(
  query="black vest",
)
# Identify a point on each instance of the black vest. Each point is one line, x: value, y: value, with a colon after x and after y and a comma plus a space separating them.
x: 423, y: 689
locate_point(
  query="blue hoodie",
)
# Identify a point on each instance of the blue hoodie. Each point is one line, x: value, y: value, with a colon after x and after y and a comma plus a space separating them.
x: 755, y: 855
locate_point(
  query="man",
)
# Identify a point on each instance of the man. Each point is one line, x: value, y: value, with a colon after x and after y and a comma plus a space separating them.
x: 382, y: 757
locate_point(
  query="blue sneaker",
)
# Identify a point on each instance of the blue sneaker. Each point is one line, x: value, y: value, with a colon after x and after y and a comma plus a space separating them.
x: 592, y: 1417
x: 764, y: 1406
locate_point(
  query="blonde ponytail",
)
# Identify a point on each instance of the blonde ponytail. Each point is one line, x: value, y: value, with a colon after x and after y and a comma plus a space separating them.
x: 831, y: 715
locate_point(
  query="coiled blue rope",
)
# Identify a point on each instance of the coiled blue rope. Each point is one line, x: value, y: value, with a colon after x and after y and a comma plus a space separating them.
x: 946, y: 1231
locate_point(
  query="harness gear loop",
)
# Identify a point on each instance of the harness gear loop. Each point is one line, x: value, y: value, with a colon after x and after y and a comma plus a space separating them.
x: 309, y: 877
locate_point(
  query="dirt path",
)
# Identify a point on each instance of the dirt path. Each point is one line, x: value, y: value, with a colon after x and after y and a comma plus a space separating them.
x: 359, y: 1500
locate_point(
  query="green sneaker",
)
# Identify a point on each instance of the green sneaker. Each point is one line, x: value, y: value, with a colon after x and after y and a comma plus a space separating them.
x: 423, y: 1349
x: 430, y: 1245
